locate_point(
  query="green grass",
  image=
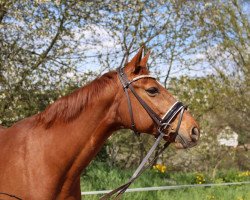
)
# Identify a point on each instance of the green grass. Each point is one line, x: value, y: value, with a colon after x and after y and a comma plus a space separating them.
x: 101, y: 177
x: 211, y: 193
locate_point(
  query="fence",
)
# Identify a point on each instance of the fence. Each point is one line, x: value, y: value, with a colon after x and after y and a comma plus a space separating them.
x: 173, y: 187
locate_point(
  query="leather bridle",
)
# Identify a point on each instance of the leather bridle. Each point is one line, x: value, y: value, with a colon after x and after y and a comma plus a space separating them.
x: 162, y: 124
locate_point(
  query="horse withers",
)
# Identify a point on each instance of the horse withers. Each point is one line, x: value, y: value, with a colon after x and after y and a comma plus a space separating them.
x: 41, y: 157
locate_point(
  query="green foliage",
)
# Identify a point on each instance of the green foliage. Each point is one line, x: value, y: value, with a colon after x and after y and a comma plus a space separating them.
x: 50, y: 48
x: 201, y: 94
x: 233, y: 176
x: 114, y: 176
x: 99, y: 176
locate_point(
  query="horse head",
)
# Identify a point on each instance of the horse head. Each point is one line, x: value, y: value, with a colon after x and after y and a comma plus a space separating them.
x: 182, y: 128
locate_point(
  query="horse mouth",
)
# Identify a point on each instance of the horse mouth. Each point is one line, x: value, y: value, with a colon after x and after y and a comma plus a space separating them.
x: 179, y: 145
x: 182, y: 143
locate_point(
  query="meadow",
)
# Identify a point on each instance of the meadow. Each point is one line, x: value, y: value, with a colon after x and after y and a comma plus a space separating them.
x: 100, y: 177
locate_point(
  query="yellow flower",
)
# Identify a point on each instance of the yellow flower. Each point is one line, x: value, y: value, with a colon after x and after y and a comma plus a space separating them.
x: 200, y: 178
x: 159, y: 167
x: 211, y: 197
x: 244, y: 174
x: 163, y: 168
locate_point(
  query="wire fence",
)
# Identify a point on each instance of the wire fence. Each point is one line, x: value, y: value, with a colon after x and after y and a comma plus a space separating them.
x: 172, y: 187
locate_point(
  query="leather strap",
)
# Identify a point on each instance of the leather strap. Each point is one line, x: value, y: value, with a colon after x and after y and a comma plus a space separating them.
x: 171, y: 112
x: 141, y: 168
x: 120, y: 190
x: 162, y: 124
x: 123, y: 77
x: 127, y: 85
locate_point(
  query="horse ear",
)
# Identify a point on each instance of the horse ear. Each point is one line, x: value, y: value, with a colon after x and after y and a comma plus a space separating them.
x: 134, y: 66
x: 137, y: 58
x: 144, y: 61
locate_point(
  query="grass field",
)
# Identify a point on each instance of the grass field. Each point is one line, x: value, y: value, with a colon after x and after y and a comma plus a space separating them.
x: 210, y: 193
x: 100, y: 177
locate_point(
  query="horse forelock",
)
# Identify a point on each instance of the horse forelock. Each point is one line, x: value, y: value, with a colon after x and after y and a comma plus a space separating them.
x: 70, y: 107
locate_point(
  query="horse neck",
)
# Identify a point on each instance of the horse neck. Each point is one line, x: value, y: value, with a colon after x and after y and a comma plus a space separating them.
x: 77, y: 142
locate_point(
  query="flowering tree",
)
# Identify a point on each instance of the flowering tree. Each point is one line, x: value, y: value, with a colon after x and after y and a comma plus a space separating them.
x: 48, y: 48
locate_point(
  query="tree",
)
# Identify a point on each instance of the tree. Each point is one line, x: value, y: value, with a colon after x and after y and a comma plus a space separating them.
x: 48, y: 48
x: 225, y: 38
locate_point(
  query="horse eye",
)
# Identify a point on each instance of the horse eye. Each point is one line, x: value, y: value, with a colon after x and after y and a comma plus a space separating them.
x: 152, y: 91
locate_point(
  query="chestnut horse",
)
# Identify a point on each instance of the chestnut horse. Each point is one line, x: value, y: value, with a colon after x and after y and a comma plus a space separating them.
x: 42, y: 156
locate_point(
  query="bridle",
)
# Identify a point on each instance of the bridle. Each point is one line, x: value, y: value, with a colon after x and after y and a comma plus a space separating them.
x: 162, y: 124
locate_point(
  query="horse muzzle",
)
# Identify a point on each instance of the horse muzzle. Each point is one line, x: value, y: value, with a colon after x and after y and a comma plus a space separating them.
x: 182, y: 142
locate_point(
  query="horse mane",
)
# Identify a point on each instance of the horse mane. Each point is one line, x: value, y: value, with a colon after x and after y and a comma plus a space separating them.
x: 69, y: 107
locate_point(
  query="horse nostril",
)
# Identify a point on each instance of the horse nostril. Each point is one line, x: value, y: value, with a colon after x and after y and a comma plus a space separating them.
x: 195, y: 134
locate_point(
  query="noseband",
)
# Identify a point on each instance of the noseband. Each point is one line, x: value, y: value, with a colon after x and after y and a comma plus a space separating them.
x: 162, y: 124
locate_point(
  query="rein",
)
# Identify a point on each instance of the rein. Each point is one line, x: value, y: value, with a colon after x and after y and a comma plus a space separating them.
x: 162, y: 124
x: 10, y: 195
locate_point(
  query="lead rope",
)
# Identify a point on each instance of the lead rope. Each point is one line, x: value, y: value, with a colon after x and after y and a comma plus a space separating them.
x: 139, y: 170
x: 142, y: 167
